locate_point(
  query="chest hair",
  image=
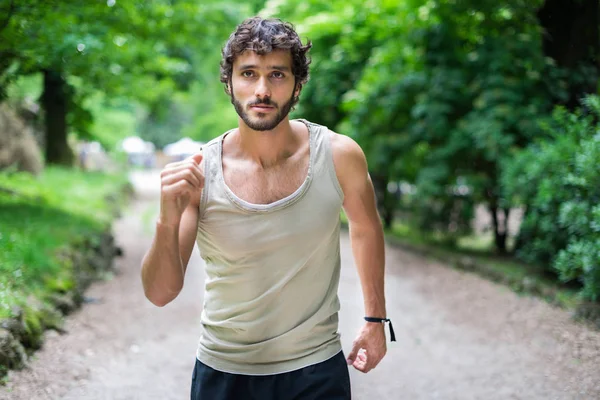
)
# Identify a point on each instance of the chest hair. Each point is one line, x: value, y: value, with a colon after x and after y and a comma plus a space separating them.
x: 264, y: 186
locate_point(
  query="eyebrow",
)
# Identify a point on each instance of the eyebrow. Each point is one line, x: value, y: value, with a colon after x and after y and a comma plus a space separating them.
x: 282, y: 68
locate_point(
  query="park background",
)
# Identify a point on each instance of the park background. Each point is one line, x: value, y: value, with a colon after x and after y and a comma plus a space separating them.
x: 479, y: 119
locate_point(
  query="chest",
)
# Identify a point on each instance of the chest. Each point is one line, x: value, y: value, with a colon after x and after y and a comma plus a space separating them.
x: 265, y: 186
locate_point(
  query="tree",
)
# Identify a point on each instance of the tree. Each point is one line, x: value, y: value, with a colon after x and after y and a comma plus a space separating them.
x: 139, y: 50
x: 442, y: 93
x: 571, y: 37
x: 558, y: 180
x: 344, y: 35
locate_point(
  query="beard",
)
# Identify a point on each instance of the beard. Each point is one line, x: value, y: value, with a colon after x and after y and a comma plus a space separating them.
x: 263, y: 122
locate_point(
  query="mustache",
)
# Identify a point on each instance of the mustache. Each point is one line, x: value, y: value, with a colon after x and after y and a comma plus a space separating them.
x: 263, y: 102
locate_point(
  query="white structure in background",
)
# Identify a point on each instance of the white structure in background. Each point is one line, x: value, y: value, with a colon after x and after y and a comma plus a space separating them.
x: 139, y: 152
x: 93, y: 157
x: 182, y: 149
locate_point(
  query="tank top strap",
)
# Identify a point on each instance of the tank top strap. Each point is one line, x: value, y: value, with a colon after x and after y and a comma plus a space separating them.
x: 211, y: 158
x: 323, y: 164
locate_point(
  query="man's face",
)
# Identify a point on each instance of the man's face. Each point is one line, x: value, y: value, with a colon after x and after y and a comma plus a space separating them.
x: 262, y: 88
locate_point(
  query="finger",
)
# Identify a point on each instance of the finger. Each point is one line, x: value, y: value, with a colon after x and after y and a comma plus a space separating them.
x: 188, y: 166
x: 374, y: 358
x: 186, y: 162
x: 353, y: 353
x: 197, y: 158
x: 362, y: 356
x: 185, y: 174
x: 360, y: 365
x: 179, y: 188
x: 365, y: 360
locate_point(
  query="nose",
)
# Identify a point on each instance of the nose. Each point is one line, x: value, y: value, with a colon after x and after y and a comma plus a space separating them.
x: 262, y: 89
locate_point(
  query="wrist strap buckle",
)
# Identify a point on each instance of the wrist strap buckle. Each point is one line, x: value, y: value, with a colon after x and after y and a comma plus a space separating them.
x: 383, y: 320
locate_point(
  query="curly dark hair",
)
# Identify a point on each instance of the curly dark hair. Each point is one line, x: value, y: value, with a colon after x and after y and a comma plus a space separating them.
x: 264, y: 36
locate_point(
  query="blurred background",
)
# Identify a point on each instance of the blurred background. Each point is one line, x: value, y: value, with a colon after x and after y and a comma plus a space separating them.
x: 479, y: 119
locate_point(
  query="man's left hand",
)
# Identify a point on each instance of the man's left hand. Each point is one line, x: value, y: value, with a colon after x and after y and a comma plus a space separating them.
x: 368, y: 348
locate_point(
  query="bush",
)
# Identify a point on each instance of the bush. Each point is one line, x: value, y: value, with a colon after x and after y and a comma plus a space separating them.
x: 558, y: 182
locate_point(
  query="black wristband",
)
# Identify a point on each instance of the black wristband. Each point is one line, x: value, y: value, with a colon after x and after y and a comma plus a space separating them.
x: 392, y: 334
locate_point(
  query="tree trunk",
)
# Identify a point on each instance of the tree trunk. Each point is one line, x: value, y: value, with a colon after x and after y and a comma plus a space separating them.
x: 500, y: 227
x: 55, y: 100
x: 571, y: 37
x: 385, y: 203
x: 520, y: 240
x: 388, y: 218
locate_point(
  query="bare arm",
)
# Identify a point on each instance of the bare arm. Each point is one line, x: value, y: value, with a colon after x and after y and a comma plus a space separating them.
x: 165, y: 263
x: 367, y: 240
x: 366, y: 232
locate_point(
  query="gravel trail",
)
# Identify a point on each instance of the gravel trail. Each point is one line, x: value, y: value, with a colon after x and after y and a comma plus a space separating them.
x: 459, y: 336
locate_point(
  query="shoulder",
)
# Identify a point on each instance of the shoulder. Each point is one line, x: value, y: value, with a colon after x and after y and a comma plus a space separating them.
x: 347, y: 154
x: 212, y: 148
x: 345, y: 149
x: 348, y: 158
x: 213, y: 142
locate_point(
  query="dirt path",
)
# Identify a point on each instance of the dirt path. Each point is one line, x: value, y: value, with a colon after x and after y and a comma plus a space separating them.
x: 459, y: 336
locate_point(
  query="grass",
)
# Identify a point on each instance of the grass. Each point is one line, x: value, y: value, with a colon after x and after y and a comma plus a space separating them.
x: 43, y: 217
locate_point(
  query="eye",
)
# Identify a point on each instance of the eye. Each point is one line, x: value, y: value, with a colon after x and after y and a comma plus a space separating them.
x: 247, y: 74
x: 278, y: 75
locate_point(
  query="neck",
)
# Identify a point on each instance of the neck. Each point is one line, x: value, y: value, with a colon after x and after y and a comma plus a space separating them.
x: 267, y: 148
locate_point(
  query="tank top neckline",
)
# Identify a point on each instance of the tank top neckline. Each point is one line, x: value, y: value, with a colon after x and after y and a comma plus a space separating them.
x: 278, y: 204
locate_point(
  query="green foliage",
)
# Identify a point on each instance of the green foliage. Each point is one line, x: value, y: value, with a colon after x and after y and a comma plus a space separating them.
x: 443, y: 95
x: 211, y: 108
x: 163, y: 123
x: 207, y: 107
x: 25, y: 88
x: 116, y: 46
x: 40, y: 218
x: 438, y: 94
x: 557, y: 180
x: 343, y: 37
x: 112, y: 120
x: 147, y: 52
x: 33, y: 325
x: 204, y: 111
x: 464, y: 85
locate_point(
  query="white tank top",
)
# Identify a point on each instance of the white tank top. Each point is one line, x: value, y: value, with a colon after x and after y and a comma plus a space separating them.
x: 272, y: 270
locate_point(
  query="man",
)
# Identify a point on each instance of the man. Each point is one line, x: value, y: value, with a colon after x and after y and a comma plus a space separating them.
x: 262, y: 201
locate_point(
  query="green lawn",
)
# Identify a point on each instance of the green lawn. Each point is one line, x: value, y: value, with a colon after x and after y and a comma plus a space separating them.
x: 43, y: 217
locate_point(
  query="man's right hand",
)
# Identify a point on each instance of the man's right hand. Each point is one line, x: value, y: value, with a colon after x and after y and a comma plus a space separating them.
x: 179, y: 182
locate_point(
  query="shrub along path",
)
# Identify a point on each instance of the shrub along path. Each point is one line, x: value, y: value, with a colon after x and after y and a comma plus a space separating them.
x: 459, y: 336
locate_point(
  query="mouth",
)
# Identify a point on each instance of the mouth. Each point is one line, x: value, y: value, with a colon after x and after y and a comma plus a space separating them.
x: 262, y: 108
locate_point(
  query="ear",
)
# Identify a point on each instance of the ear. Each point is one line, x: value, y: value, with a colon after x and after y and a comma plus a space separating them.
x: 228, y: 87
x: 297, y: 90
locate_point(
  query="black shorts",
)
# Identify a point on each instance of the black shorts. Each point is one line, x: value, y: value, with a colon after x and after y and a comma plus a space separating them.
x: 328, y: 380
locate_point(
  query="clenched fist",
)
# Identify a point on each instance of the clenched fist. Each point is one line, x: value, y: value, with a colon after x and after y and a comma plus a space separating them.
x: 180, y: 181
